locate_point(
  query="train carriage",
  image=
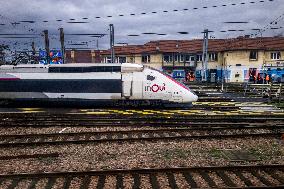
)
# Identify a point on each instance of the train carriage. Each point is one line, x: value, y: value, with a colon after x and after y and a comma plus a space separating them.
x: 91, y: 84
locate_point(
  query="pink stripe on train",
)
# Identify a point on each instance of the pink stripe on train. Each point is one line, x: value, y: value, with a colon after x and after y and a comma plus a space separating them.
x: 9, y: 79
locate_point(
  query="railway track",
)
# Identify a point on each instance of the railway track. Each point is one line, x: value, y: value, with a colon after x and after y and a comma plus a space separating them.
x: 28, y: 140
x: 24, y: 115
x: 264, y: 176
x: 133, y: 124
x: 194, y: 107
x: 173, y: 128
x: 43, y: 120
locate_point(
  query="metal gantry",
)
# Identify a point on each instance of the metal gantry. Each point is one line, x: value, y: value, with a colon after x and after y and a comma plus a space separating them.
x: 46, y: 42
x: 111, y: 30
x: 205, y: 55
x: 62, y: 44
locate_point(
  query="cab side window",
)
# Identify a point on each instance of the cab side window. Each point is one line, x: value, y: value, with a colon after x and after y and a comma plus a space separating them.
x: 150, y: 78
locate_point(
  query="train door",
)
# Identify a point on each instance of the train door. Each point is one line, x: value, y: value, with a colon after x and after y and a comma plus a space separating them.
x: 127, y: 85
x: 137, y: 85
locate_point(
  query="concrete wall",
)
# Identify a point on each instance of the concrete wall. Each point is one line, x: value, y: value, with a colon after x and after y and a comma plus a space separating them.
x: 133, y: 59
x: 156, y: 61
x: 130, y: 59
x: 242, y: 57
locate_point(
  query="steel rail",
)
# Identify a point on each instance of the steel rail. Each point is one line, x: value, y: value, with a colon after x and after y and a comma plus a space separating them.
x: 208, y: 129
x: 145, y: 171
x: 190, y: 174
x: 195, y: 107
x: 147, y: 117
x: 130, y: 137
x: 124, y: 123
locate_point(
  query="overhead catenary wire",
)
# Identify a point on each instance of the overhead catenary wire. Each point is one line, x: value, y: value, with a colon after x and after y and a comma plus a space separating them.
x: 146, y: 13
x: 268, y: 26
x: 174, y: 10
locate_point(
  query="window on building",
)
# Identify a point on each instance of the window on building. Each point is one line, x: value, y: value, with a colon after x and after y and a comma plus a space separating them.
x: 187, y: 58
x: 167, y: 58
x: 253, y: 55
x: 131, y: 59
x: 199, y: 58
x: 275, y: 56
x: 181, y: 58
x: 176, y: 58
x: 146, y: 59
x: 108, y: 59
x: 121, y: 59
x: 213, y: 56
x: 179, y: 74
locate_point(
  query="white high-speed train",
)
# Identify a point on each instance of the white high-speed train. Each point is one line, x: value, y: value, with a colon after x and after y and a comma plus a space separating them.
x: 91, y: 84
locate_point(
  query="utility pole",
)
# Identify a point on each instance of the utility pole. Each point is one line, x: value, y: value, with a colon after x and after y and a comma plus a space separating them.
x: 46, y: 43
x: 33, y: 51
x: 223, y: 72
x: 111, y: 29
x: 205, y: 55
x: 33, y: 48
x: 62, y: 44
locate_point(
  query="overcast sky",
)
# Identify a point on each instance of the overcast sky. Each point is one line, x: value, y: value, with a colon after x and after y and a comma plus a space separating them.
x: 194, y: 21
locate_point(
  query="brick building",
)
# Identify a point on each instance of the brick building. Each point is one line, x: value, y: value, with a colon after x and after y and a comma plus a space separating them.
x: 235, y: 59
x: 82, y: 56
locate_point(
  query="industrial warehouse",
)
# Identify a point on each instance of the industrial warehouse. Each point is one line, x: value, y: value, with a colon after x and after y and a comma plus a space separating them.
x: 141, y: 94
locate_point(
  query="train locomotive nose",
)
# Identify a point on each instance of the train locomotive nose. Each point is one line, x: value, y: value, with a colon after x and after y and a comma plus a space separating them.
x: 195, y: 97
x: 190, y: 97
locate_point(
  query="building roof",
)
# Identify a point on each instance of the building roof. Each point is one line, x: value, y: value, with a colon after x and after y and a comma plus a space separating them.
x: 82, y: 56
x: 195, y: 46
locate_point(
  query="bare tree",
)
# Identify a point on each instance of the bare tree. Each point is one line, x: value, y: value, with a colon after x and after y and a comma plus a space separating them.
x: 2, y: 52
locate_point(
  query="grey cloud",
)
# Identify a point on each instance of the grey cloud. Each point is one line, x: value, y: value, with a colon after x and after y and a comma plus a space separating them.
x: 193, y: 21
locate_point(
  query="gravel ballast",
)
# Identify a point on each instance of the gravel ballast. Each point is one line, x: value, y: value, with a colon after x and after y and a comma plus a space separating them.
x: 125, y: 155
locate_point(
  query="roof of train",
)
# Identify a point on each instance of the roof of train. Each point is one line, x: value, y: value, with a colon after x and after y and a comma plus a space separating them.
x: 85, y: 65
x: 90, y: 67
x: 59, y: 65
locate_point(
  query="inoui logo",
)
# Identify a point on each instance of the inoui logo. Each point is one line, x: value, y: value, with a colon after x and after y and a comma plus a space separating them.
x: 155, y: 88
